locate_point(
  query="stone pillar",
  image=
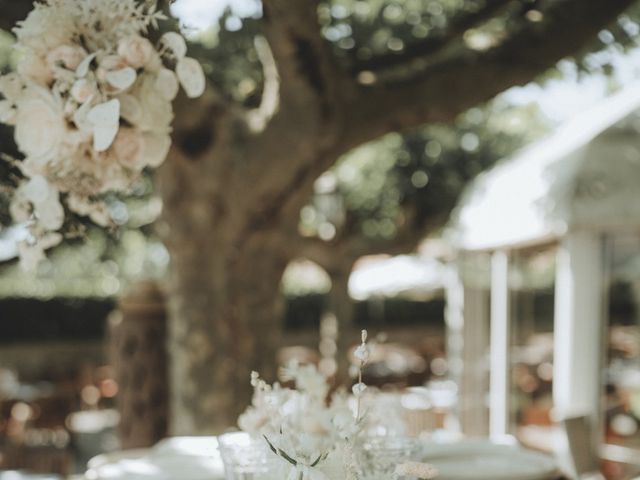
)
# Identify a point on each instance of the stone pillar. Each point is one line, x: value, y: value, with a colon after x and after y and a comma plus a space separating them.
x: 137, y: 339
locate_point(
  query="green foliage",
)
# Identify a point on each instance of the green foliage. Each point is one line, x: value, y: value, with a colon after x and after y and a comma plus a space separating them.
x: 416, y: 177
x: 91, y: 267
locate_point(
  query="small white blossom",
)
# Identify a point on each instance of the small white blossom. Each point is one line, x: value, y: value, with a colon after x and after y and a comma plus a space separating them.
x: 358, y: 389
x: 362, y: 353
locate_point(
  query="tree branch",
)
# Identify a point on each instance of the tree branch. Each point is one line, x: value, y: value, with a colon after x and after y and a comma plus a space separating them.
x: 432, y: 45
x: 300, y: 138
x: 260, y: 117
x: 442, y: 91
x: 309, y: 73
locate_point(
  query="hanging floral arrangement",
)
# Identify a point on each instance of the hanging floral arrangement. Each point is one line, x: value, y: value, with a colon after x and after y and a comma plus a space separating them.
x: 90, y: 101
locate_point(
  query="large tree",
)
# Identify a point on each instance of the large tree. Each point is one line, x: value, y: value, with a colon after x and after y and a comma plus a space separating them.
x: 333, y: 77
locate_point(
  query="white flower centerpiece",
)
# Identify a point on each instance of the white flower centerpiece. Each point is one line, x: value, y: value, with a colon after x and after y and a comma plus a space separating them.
x: 91, y: 104
x: 315, y: 435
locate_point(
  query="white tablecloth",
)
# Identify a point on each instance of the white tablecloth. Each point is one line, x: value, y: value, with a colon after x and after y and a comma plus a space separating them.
x: 197, y: 458
x: 179, y: 458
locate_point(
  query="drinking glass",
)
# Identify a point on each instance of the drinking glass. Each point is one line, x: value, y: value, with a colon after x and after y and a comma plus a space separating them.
x: 380, y: 455
x: 246, y: 457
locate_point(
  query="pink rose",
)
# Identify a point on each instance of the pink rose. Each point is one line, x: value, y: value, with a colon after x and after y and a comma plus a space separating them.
x: 137, y: 51
x: 109, y: 64
x: 66, y: 56
x: 128, y: 148
x: 83, y: 89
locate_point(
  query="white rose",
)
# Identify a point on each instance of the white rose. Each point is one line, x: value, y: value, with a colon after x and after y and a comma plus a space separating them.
x: 167, y: 84
x: 66, y: 56
x: 83, y: 89
x: 34, y: 67
x: 191, y: 76
x: 40, y: 125
x: 128, y: 148
x: 136, y: 50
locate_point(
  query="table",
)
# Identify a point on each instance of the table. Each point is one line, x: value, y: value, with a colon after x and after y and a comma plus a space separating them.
x: 197, y: 458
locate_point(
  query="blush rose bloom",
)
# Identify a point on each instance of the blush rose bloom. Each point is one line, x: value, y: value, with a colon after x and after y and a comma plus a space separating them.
x: 108, y: 64
x: 69, y: 56
x: 83, y: 89
x: 137, y: 51
x: 128, y: 148
x: 40, y: 125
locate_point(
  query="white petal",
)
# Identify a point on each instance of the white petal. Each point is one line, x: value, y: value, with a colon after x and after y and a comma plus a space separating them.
x: 130, y: 108
x: 83, y: 68
x: 191, y: 76
x: 103, y: 136
x: 80, y: 116
x: 156, y: 148
x: 107, y: 113
x: 175, y: 43
x: 121, y: 79
x: 167, y: 84
x: 105, y: 121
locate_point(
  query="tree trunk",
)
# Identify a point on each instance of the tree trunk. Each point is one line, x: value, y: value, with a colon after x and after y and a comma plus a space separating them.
x: 136, y: 335
x: 224, y: 301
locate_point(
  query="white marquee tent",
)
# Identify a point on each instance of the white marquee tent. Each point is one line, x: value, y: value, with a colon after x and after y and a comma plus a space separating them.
x: 576, y: 190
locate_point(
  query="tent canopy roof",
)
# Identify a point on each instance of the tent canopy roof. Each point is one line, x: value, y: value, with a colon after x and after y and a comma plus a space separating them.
x: 586, y: 175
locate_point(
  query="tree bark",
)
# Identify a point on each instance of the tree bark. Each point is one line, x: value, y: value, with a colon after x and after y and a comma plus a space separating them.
x: 224, y: 300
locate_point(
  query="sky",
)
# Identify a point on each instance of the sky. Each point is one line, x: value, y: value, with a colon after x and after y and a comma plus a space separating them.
x: 201, y: 14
